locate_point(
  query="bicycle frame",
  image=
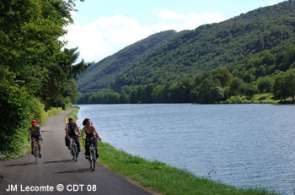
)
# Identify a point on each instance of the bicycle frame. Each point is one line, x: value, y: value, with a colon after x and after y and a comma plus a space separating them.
x: 74, y: 149
x: 92, y: 152
x: 36, y: 151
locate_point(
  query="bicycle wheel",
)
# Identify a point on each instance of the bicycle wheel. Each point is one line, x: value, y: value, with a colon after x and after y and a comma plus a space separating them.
x: 93, y: 165
x: 92, y: 158
x: 35, y: 152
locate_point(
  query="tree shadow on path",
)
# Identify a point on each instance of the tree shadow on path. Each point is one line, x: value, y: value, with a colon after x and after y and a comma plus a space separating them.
x: 58, y: 161
x: 73, y: 171
x: 21, y: 164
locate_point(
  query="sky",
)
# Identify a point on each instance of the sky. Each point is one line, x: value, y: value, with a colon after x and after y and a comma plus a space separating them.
x: 103, y: 27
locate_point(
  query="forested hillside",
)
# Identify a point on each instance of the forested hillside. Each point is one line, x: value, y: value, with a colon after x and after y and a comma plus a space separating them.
x: 103, y: 73
x: 37, y: 72
x: 229, y: 61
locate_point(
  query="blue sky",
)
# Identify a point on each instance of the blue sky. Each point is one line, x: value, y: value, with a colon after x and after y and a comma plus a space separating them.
x: 103, y: 27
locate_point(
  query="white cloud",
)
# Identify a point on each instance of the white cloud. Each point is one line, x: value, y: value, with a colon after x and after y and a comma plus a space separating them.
x: 108, y: 34
x: 181, y: 21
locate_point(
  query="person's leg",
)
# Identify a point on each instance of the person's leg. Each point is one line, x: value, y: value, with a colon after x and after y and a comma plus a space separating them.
x: 96, y: 151
x: 87, y: 149
x: 39, y: 147
x: 32, y: 145
x: 78, y: 143
x: 67, y: 142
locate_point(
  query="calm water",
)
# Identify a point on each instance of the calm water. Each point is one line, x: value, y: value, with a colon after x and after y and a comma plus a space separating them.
x: 242, y: 145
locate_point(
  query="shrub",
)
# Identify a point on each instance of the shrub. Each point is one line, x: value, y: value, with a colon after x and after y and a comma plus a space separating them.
x: 38, y: 112
x: 237, y: 100
x: 15, y: 116
x: 53, y: 111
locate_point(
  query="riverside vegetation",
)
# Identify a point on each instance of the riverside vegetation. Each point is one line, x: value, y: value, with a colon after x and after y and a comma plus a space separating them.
x: 37, y: 72
x: 236, y: 61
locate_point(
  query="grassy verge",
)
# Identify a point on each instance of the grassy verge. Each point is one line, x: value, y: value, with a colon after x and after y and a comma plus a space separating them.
x: 164, y: 178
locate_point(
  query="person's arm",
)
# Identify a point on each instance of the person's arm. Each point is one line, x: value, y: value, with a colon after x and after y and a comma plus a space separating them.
x: 97, y: 135
x: 39, y: 133
x: 78, y: 129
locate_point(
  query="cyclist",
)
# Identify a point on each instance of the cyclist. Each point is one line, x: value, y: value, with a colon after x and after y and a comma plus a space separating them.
x: 91, y: 137
x: 35, y: 134
x: 72, y: 131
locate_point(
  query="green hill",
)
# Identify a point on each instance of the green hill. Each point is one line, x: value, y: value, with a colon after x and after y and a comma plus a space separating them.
x: 103, y: 73
x: 253, y: 46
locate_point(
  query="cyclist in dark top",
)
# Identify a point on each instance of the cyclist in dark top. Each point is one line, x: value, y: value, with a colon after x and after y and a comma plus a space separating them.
x: 91, y: 136
x: 35, y: 134
x: 72, y: 131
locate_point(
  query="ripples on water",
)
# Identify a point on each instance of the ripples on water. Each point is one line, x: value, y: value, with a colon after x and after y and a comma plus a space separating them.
x: 242, y: 145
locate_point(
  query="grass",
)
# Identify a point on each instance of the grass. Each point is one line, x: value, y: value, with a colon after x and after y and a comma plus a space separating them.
x: 262, y: 98
x: 164, y: 178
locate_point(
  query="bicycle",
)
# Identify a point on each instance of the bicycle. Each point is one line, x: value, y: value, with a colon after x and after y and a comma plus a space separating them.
x: 74, y: 149
x: 36, y: 151
x: 92, y: 152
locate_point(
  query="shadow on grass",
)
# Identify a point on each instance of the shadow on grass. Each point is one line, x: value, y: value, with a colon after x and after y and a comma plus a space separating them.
x: 73, y: 171
x: 57, y: 161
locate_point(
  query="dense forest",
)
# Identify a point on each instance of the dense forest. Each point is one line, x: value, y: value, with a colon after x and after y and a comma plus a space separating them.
x: 109, y: 68
x: 249, y: 58
x: 37, y: 72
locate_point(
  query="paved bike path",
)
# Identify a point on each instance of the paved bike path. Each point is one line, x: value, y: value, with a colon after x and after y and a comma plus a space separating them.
x: 56, y: 167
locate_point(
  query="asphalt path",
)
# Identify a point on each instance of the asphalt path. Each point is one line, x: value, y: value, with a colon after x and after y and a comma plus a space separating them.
x: 55, y: 172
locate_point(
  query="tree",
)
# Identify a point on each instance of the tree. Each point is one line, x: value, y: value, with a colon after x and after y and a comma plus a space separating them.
x: 248, y: 89
x: 264, y: 85
x: 208, y: 92
x: 223, y: 75
x: 284, y: 86
x: 235, y: 86
x: 34, y: 65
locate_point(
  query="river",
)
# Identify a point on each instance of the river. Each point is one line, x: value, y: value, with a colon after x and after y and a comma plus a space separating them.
x: 241, y: 145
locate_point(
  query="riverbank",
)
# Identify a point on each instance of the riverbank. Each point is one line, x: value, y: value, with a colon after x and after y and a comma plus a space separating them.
x: 261, y: 98
x: 163, y: 178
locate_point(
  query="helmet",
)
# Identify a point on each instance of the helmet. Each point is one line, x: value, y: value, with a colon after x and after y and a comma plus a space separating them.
x: 34, y: 122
